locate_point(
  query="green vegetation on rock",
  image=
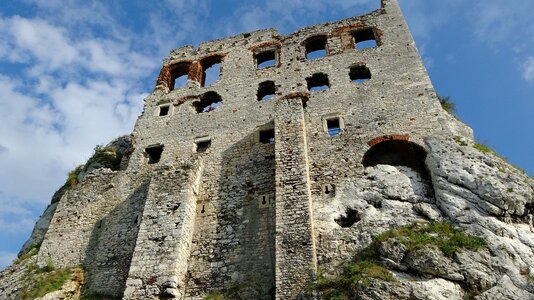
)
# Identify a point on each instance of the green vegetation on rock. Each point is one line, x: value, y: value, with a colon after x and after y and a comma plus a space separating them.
x: 29, y: 253
x: 447, y: 104
x: 355, y: 275
x: 103, y: 157
x: 368, y: 263
x: 41, y: 281
x: 443, y: 235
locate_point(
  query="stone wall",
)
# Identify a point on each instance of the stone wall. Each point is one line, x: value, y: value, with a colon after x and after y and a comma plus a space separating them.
x: 224, y: 208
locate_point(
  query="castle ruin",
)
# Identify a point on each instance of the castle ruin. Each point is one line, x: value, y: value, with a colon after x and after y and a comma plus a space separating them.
x: 238, y: 156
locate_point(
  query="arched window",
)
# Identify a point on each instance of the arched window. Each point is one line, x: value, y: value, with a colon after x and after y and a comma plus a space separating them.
x: 208, y: 101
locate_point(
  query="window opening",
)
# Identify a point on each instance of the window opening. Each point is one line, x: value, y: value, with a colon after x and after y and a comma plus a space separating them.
x: 164, y: 110
x: 267, y: 136
x: 364, y: 38
x: 179, y: 76
x: 154, y: 153
x: 208, y: 102
x: 203, y: 209
x: 266, y: 91
x: 318, y: 82
x: 203, y: 146
x: 359, y: 74
x: 212, y: 70
x: 266, y: 59
x: 316, y: 47
x: 333, y: 126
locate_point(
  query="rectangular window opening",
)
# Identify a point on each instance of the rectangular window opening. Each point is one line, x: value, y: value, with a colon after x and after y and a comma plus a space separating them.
x: 364, y: 38
x: 333, y: 126
x: 266, y: 91
x: 202, y: 146
x: 212, y: 70
x: 154, y: 153
x: 316, y: 47
x: 179, y: 75
x: 318, y: 82
x: 359, y: 74
x: 266, y: 59
x: 164, y: 110
x: 267, y: 136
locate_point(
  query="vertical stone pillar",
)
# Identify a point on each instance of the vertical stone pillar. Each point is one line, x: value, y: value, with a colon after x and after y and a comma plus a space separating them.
x: 159, y: 263
x: 296, y: 262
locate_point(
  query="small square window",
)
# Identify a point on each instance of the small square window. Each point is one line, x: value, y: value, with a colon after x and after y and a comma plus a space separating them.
x: 318, y: 82
x: 164, y: 110
x: 359, y: 74
x: 333, y: 126
x: 267, y: 136
x: 154, y: 153
x: 316, y: 47
x: 364, y: 38
x: 266, y: 59
x: 202, y: 144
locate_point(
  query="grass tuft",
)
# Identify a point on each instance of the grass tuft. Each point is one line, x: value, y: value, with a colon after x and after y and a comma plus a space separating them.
x: 104, y: 157
x: 44, y: 280
x: 34, y: 249
x: 443, y: 235
x: 447, y: 104
x: 483, y: 148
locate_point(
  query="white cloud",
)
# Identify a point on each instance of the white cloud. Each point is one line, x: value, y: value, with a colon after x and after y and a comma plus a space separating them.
x: 528, y: 69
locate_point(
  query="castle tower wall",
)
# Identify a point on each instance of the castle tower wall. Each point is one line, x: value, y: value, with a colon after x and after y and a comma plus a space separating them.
x: 295, y: 248
x: 158, y: 266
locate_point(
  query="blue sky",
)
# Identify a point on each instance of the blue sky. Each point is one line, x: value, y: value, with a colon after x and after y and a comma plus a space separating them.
x: 73, y: 75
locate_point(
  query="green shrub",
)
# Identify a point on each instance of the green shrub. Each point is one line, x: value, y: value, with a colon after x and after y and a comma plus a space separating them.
x: 72, y: 178
x: 447, y: 104
x: 103, y: 157
x: 42, y: 281
x: 355, y: 275
x: 215, y: 295
x: 106, y: 157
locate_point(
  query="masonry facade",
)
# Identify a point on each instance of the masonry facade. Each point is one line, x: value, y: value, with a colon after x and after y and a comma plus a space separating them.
x: 226, y: 174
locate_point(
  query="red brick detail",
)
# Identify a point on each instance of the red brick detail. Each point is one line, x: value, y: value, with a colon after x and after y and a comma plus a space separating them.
x: 196, y: 72
x: 265, y: 45
x: 393, y: 137
x: 164, y: 78
x: 348, y: 28
x: 181, y: 100
x: 345, y: 34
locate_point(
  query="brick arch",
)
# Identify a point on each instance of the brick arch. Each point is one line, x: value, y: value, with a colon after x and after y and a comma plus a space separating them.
x: 392, y: 137
x: 170, y: 72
